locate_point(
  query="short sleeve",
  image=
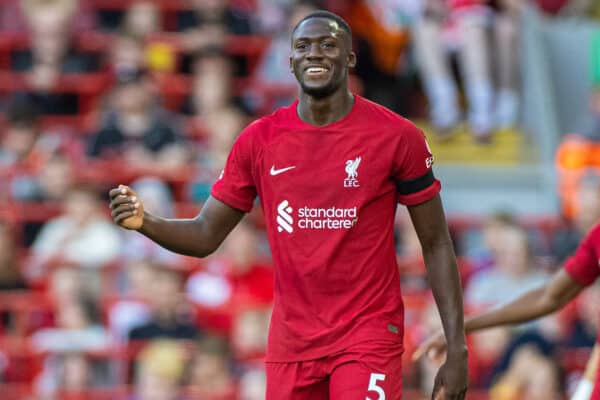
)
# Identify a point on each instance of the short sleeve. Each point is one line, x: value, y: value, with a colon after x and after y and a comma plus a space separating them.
x: 583, y: 265
x: 413, y: 171
x: 236, y: 187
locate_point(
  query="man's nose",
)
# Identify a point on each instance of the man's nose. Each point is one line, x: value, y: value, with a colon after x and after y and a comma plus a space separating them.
x: 315, y: 51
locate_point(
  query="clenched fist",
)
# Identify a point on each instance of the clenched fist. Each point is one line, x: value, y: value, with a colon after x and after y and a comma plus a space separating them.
x: 126, y: 208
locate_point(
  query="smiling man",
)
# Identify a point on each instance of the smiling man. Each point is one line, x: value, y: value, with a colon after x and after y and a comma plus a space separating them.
x: 329, y: 171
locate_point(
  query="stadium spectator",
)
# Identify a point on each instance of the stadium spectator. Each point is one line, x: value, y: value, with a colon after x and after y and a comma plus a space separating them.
x: 54, y: 180
x: 211, y: 374
x: 65, y: 285
x: 20, y: 132
x: 250, y: 333
x: 234, y: 278
x: 138, y: 129
x: 212, y: 83
x: 142, y: 19
x: 207, y: 23
x: 513, y: 271
x: 467, y: 20
x: 81, y: 235
x: 532, y: 374
x: 11, y: 277
x: 492, y: 233
x: 70, y: 376
x: 52, y: 48
x: 217, y: 114
x: 253, y: 384
x: 18, y: 159
x: 77, y: 15
x: 382, y: 35
x: 160, y: 370
x: 171, y: 316
x: 222, y: 127
x: 506, y: 59
x: 51, y: 53
x: 78, y: 328
x: 126, y: 53
x: 274, y: 65
x: 132, y: 306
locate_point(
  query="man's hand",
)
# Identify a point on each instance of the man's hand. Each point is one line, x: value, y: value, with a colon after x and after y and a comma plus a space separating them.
x: 434, y: 347
x: 127, y: 209
x: 452, y: 378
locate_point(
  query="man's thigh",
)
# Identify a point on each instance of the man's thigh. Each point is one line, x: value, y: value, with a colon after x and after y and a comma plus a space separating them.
x: 304, y: 380
x: 369, y: 377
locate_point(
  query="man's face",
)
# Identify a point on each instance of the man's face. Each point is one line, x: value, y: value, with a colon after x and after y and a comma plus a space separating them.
x: 19, y: 140
x: 321, y: 56
x: 132, y: 97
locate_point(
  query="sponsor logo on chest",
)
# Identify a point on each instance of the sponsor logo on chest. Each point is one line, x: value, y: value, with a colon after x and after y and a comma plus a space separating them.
x: 332, y: 218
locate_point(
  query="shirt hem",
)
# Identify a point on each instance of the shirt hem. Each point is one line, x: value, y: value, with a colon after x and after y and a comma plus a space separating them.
x: 332, y: 350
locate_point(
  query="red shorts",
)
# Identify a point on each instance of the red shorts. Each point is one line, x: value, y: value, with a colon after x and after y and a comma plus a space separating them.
x: 369, y: 371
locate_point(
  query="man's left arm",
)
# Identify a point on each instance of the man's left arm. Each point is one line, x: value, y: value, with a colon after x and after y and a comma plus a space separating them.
x: 442, y: 271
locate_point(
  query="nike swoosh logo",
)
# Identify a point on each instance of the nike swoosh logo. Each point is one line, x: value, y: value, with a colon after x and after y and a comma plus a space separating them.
x: 280, y: 171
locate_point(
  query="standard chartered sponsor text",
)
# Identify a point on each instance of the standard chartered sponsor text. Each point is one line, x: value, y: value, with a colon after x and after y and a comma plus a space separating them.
x: 327, y: 218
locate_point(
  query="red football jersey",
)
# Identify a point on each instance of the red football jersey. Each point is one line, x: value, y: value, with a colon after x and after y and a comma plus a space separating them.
x: 329, y: 196
x: 584, y: 267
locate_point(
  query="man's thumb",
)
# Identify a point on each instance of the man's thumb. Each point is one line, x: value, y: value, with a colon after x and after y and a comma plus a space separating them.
x: 418, y: 353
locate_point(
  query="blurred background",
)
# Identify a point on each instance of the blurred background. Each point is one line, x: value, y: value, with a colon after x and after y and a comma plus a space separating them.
x: 153, y: 93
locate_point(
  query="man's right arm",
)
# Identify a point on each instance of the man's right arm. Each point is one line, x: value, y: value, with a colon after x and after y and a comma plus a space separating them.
x: 197, y: 237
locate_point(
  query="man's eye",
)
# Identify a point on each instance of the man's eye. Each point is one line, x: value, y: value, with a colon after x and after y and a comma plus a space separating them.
x: 301, y: 46
x: 328, y: 45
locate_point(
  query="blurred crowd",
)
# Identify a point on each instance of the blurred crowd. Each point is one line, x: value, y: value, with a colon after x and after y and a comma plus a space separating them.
x: 153, y: 94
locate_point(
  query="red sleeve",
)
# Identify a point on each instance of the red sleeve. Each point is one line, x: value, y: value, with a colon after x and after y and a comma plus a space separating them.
x: 413, y: 173
x: 235, y: 187
x: 583, y: 266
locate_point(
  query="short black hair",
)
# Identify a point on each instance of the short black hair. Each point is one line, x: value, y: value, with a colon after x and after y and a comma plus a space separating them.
x: 326, y: 15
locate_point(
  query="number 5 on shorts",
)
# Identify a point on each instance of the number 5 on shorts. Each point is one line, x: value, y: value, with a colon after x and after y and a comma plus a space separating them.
x: 373, y: 387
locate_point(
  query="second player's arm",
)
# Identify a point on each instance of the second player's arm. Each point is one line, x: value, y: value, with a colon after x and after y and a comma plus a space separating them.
x: 533, y: 304
x: 197, y: 237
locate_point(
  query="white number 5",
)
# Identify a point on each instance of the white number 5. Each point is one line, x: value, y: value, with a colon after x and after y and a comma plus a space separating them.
x: 373, y: 387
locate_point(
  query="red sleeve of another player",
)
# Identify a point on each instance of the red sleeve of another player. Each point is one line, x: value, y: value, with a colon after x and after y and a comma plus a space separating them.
x: 235, y: 187
x: 412, y: 169
x: 583, y: 265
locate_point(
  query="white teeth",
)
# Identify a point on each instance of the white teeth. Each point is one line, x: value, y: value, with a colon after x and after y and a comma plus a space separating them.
x: 316, y: 70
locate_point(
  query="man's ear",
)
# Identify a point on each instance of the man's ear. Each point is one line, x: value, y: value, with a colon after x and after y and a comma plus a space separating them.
x: 352, y: 59
x: 291, y: 67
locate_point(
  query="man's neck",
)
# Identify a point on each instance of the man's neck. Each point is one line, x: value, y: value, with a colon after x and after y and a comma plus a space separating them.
x: 327, y: 110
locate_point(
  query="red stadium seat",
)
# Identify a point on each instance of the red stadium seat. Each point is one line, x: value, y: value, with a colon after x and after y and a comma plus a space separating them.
x: 23, y: 305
